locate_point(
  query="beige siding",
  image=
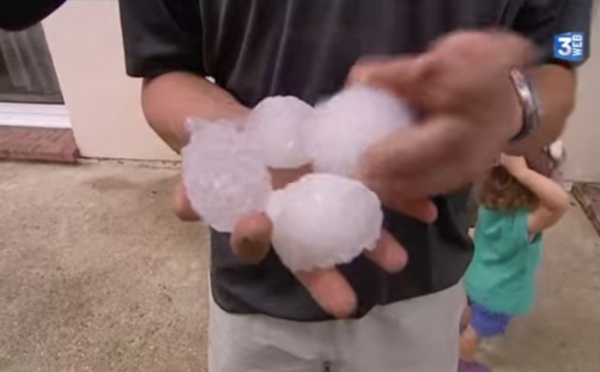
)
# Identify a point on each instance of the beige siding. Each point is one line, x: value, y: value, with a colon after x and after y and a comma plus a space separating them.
x: 582, y: 138
x: 85, y: 43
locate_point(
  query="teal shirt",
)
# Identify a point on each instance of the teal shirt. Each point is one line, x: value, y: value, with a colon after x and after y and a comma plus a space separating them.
x: 501, y: 276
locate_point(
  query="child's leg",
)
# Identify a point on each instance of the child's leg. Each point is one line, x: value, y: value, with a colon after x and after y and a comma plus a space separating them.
x: 465, y: 318
x: 483, y: 324
x: 469, y: 344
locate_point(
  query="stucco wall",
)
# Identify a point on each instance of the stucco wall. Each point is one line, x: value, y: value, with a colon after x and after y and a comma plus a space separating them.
x: 84, y: 37
x: 582, y: 138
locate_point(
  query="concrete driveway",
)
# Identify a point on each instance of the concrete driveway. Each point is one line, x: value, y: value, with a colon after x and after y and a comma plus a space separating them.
x: 97, y: 275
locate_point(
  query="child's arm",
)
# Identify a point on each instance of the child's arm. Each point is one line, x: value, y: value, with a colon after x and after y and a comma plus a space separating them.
x: 553, y: 200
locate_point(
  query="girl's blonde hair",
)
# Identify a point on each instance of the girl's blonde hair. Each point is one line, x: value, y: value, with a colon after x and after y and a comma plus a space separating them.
x: 501, y: 190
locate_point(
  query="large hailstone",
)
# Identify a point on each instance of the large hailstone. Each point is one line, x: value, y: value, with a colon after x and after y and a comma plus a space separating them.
x: 224, y: 176
x: 323, y: 220
x: 343, y: 127
x: 274, y: 124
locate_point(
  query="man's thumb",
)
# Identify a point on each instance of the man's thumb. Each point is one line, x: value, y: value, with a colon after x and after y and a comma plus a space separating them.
x: 251, y: 238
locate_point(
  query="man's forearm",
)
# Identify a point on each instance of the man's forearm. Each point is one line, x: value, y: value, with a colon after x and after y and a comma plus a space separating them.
x: 168, y: 100
x: 555, y: 86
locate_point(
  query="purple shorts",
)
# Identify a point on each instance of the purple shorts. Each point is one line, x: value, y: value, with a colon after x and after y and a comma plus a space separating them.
x: 488, y: 323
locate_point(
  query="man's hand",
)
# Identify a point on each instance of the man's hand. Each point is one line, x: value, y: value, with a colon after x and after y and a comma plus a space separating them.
x: 469, y: 109
x: 168, y: 100
x: 251, y: 241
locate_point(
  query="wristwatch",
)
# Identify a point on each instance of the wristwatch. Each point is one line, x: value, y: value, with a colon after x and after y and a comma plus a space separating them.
x: 529, y: 103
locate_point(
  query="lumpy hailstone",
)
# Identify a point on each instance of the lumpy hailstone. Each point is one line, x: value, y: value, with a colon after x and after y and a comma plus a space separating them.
x: 323, y: 220
x: 223, y: 174
x: 274, y: 124
x: 343, y: 127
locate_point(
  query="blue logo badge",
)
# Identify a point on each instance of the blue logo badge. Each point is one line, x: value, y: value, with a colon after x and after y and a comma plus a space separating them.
x: 569, y: 46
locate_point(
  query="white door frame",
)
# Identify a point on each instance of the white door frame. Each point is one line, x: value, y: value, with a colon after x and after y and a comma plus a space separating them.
x: 34, y: 115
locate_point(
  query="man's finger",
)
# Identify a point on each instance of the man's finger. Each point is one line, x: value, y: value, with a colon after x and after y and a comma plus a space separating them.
x: 447, y: 177
x: 281, y: 177
x: 402, y: 76
x: 388, y: 253
x: 330, y: 290
x: 417, y: 149
x: 499, y: 47
x: 421, y: 209
x: 366, y: 63
x: 415, y: 158
x: 444, y: 179
x: 183, y: 207
x: 251, y: 238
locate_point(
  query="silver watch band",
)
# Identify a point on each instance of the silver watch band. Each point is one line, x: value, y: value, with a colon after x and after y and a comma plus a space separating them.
x: 529, y: 103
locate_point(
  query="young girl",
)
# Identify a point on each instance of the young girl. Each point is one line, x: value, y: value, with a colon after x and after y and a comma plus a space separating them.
x: 516, y: 205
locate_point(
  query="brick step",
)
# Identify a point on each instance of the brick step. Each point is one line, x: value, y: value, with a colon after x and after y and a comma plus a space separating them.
x: 39, y: 144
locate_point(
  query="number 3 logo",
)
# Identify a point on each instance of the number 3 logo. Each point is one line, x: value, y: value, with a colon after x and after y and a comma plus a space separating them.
x: 565, y: 43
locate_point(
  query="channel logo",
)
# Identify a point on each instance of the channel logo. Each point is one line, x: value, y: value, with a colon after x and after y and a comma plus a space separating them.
x: 569, y: 46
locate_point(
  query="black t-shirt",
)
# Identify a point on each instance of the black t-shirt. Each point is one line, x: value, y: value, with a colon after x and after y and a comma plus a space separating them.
x: 305, y: 48
x: 17, y: 15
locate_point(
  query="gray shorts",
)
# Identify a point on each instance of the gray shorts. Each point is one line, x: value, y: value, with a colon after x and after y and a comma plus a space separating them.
x: 418, y: 335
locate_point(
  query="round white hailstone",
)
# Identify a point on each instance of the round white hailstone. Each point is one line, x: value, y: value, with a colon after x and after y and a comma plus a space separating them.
x: 223, y: 174
x: 323, y: 220
x: 275, y: 125
x: 342, y: 128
